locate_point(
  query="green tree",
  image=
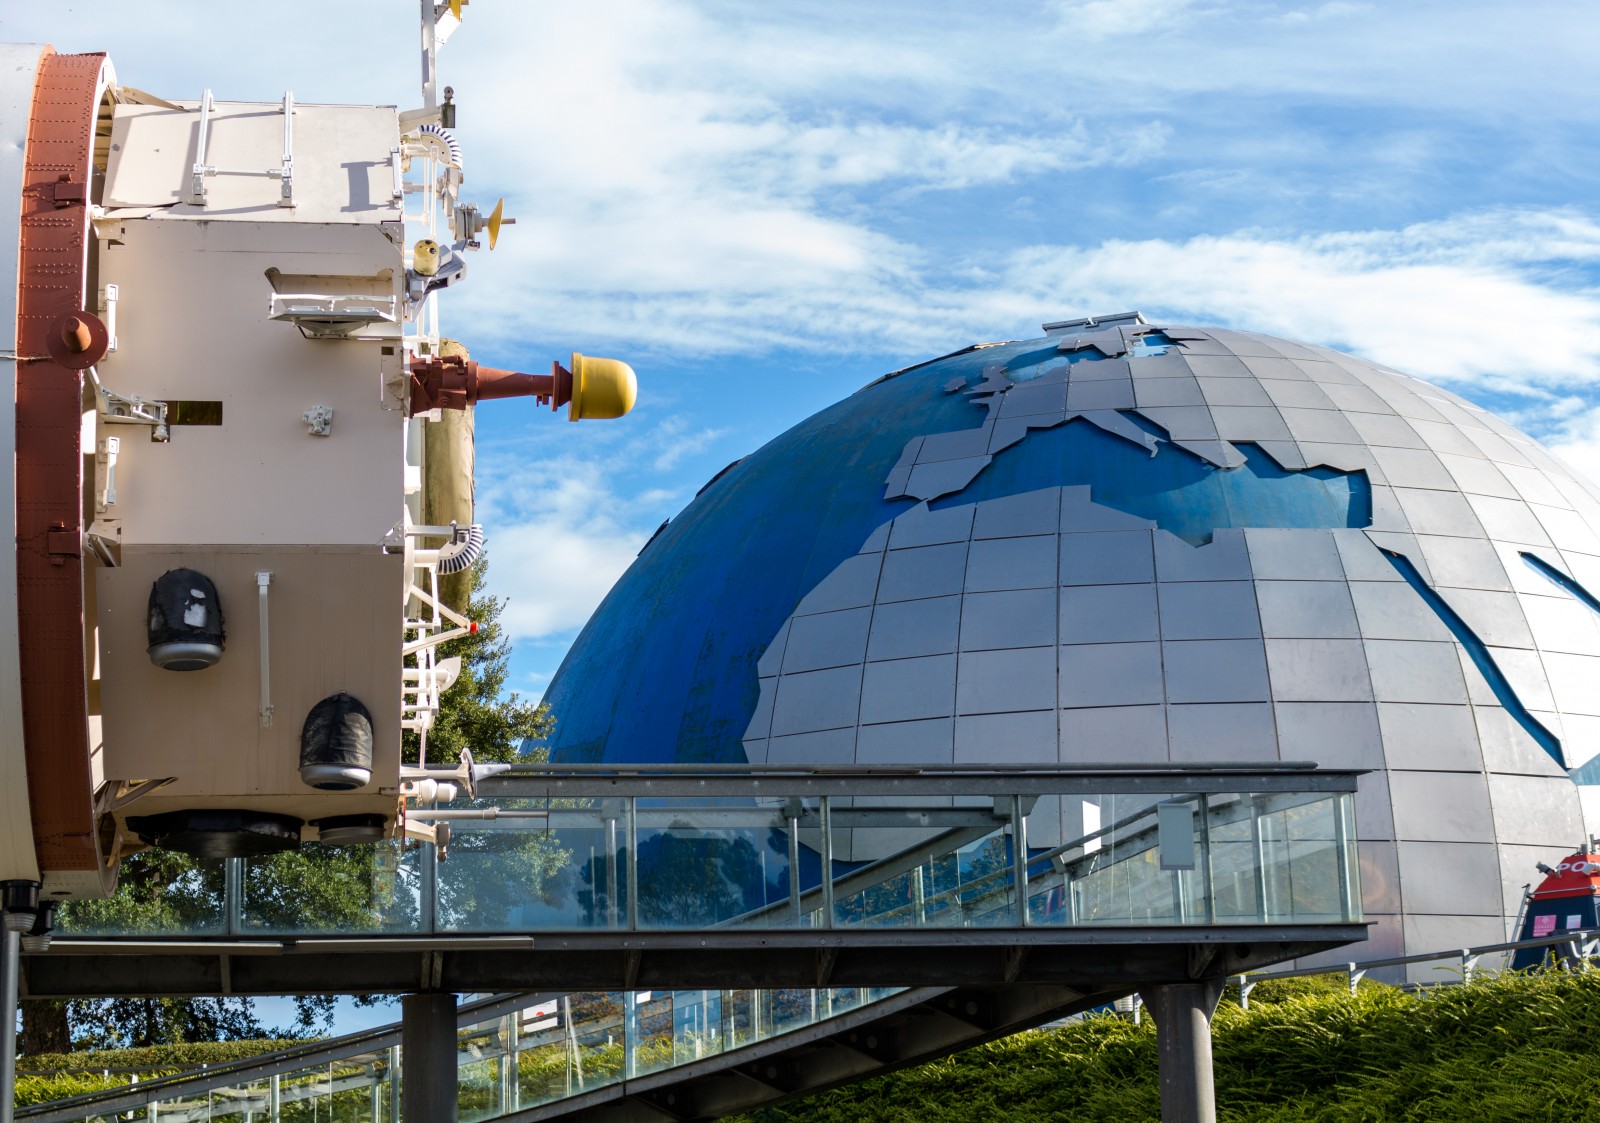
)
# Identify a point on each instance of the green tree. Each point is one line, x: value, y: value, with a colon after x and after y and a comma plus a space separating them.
x: 476, y: 713
x: 325, y: 887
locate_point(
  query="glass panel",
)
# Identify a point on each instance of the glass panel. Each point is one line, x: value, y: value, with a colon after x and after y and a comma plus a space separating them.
x: 1234, y: 842
x: 355, y: 1088
x: 1349, y: 864
x: 696, y: 1025
x: 1113, y: 875
x: 787, y: 1010
x: 719, y: 864
x: 739, y: 1020
x: 160, y: 893
x: 900, y: 865
x: 521, y: 874
x: 650, y: 1032
x: 569, y: 1045
x: 480, y: 1066
x: 339, y: 889
x: 1313, y: 862
x: 340, y: 1089
x: 1257, y: 859
x: 892, y: 862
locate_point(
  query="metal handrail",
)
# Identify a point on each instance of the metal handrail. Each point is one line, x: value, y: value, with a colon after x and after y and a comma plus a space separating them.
x: 556, y: 770
x: 699, y: 781
x: 1570, y: 936
x: 1586, y: 950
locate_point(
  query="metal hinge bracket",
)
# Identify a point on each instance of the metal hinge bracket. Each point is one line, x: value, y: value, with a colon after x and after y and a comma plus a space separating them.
x: 63, y: 542
x: 66, y: 193
x: 129, y: 409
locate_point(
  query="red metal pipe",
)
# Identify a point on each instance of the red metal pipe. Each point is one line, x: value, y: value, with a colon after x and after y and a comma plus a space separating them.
x: 452, y: 382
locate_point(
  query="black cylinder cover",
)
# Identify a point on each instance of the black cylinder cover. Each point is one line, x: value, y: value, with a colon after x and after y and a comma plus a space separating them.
x: 186, y: 631
x: 336, y: 743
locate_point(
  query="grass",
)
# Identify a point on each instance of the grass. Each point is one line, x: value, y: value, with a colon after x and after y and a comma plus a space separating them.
x: 1514, y: 1048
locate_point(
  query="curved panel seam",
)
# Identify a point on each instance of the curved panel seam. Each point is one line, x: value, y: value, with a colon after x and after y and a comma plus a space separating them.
x: 1479, y: 653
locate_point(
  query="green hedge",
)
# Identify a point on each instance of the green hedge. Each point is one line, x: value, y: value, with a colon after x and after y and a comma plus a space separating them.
x: 59, y: 1076
x: 154, y: 1057
x: 43, y: 1089
x: 1514, y: 1048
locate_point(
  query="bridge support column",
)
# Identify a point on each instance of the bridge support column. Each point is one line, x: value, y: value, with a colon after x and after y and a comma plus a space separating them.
x: 10, y: 970
x: 19, y: 900
x: 428, y: 1054
x: 1183, y: 1040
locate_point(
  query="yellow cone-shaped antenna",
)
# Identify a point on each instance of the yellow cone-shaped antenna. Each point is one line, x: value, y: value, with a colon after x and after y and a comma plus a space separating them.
x: 498, y: 219
x: 455, y: 8
x: 601, y: 388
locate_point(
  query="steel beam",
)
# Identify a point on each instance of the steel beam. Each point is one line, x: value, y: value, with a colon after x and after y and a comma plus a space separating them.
x: 699, y: 782
x: 686, y: 960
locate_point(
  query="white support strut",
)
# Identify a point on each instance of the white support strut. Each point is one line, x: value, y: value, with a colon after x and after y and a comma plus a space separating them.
x: 263, y: 583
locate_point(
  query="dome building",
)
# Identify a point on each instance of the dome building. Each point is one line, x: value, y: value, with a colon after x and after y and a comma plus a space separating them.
x: 1135, y: 542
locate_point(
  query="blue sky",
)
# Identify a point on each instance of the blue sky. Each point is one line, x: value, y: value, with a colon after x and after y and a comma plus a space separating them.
x: 765, y: 206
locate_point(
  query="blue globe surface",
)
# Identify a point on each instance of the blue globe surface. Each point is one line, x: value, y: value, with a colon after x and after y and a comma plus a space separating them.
x: 666, y: 670
x: 1125, y: 542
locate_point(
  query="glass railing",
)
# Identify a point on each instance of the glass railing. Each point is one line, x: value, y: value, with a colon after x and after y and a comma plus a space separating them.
x: 551, y: 1050
x: 1024, y: 849
x: 360, y: 1086
x: 734, y: 851
x: 582, y: 1042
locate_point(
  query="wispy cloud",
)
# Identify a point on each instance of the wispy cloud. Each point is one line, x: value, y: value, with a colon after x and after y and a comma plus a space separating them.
x: 679, y: 437
x: 1489, y: 299
x: 560, y: 534
x: 1334, y: 9
x: 1502, y: 299
x: 564, y: 525
x: 563, y: 571
x: 1577, y: 441
x: 1105, y: 19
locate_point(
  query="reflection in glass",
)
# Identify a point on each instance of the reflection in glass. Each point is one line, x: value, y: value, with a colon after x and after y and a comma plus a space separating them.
x: 814, y: 862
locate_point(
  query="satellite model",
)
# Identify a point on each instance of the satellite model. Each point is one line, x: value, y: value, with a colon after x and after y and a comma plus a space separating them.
x: 242, y: 463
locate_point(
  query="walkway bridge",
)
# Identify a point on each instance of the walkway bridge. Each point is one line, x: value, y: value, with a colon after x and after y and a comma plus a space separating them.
x: 663, y: 942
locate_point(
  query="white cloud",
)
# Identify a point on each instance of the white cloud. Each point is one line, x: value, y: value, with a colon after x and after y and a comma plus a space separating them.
x: 1485, y: 299
x: 563, y: 528
x: 560, y: 535
x: 801, y: 159
x: 1501, y: 299
x: 1334, y: 9
x: 562, y: 571
x: 679, y: 437
x: 1104, y: 19
x: 1578, y: 443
